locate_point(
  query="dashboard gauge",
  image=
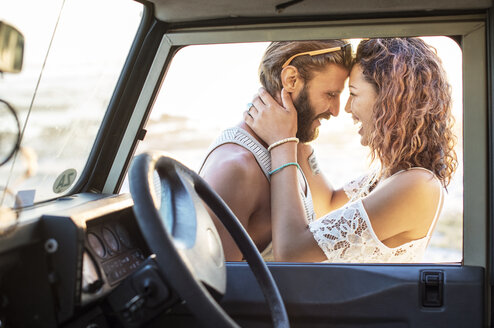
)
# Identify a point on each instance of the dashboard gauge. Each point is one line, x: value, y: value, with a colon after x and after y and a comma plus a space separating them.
x: 91, y: 279
x: 110, y: 239
x: 96, y: 244
x: 123, y: 235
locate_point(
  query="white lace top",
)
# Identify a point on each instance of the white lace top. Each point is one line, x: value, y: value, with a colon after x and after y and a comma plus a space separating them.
x: 346, y: 235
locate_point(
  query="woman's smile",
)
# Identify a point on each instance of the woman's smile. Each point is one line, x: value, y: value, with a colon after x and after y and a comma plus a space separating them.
x: 361, y: 102
x: 359, y: 124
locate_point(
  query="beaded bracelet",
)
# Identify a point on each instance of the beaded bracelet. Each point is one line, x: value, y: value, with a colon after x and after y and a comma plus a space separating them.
x: 282, y: 141
x: 283, y: 166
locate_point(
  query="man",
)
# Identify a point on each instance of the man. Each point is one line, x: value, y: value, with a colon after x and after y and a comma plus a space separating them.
x: 238, y: 164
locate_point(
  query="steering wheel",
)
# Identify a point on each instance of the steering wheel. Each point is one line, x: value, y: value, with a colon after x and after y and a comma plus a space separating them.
x: 179, y: 230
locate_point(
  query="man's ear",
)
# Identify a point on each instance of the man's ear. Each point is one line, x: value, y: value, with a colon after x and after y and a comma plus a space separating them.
x: 290, y: 79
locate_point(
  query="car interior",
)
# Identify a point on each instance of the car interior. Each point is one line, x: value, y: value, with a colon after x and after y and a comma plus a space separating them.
x: 103, y: 216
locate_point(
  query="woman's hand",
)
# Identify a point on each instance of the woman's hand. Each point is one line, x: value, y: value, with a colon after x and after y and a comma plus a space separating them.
x: 269, y: 120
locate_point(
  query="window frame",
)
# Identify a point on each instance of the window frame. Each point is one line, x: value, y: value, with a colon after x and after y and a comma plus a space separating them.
x: 469, y: 29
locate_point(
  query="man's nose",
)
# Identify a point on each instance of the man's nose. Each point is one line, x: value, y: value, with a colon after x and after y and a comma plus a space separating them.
x: 348, y: 105
x: 335, y: 107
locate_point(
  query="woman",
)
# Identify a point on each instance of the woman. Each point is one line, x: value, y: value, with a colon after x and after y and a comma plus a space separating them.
x: 400, y: 96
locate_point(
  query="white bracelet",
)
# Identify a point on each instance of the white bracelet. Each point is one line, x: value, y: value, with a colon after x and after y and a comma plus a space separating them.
x: 282, y: 141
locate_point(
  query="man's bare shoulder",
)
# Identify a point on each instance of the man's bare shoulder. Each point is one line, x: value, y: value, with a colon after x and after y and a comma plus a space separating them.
x: 231, y: 161
x: 234, y: 174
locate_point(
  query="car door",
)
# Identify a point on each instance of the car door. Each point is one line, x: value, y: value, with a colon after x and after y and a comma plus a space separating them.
x: 353, y: 295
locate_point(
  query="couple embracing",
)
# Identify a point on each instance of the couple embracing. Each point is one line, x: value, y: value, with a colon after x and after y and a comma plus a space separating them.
x: 266, y: 171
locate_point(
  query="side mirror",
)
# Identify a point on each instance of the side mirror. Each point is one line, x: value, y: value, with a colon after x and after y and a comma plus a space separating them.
x: 11, y: 49
x: 10, y: 132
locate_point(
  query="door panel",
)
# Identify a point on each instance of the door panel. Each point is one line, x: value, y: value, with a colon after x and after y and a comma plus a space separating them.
x: 322, y: 295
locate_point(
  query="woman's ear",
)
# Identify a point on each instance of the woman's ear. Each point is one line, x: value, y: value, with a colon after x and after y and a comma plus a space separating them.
x: 290, y: 79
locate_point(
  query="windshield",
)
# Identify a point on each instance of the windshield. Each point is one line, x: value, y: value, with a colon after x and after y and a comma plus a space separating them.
x: 73, y: 54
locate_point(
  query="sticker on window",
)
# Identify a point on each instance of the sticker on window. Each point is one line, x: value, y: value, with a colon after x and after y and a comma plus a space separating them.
x: 64, y: 181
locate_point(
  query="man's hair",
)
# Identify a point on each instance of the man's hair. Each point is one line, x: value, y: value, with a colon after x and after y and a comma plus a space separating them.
x: 278, y: 52
x: 412, y: 113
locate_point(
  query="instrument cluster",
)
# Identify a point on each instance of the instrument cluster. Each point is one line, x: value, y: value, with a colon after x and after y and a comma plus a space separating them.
x: 113, y: 251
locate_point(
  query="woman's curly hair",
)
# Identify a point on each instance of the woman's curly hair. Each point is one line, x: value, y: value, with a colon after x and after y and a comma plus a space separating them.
x: 412, y: 112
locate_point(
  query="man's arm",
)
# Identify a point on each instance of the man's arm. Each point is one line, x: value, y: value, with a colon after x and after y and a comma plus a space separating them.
x: 324, y: 197
x: 234, y: 175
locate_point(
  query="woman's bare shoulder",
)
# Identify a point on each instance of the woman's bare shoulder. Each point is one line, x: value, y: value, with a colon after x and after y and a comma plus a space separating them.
x: 406, y: 201
x: 416, y: 183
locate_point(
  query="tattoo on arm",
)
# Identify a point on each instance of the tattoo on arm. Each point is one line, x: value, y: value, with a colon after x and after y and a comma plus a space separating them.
x: 314, y: 165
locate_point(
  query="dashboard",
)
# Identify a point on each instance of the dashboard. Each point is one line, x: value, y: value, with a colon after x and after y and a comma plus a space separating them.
x: 70, y: 259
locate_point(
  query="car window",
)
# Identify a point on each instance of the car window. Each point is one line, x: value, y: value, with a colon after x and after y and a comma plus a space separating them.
x: 74, y: 53
x: 206, y: 90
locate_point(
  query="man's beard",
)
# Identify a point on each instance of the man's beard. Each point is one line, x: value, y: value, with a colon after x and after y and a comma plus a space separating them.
x: 305, y: 117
